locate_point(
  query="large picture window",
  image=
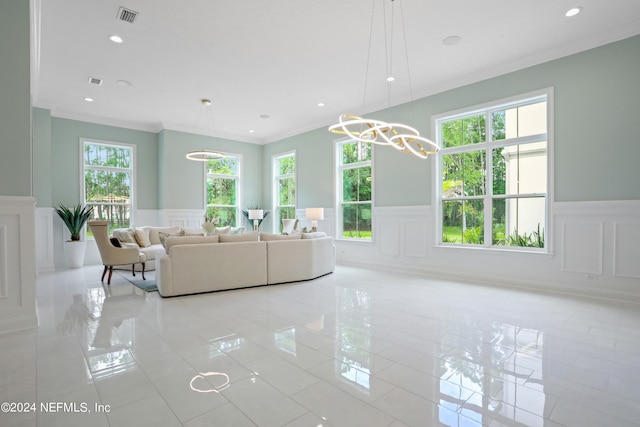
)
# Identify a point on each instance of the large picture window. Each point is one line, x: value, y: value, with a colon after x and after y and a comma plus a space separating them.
x: 108, y: 171
x: 354, y: 182
x: 494, y: 175
x: 284, y: 195
x: 223, y: 187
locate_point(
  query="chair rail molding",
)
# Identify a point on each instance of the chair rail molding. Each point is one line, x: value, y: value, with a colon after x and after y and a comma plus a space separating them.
x: 17, y: 264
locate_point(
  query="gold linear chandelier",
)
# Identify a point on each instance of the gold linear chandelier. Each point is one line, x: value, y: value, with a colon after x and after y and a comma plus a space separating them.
x: 399, y: 136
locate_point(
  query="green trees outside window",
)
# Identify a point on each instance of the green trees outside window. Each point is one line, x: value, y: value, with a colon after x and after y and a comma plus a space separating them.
x: 284, y: 167
x: 108, y: 182
x: 355, y: 195
x: 222, y: 183
x: 493, y: 176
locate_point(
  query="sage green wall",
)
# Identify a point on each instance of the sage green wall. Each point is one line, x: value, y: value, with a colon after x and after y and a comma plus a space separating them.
x: 65, y: 159
x: 15, y: 99
x: 597, y: 142
x: 42, y: 167
x: 182, y: 180
x: 314, y: 157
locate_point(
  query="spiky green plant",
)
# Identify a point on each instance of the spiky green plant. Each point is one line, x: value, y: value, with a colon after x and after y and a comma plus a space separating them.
x: 74, y: 219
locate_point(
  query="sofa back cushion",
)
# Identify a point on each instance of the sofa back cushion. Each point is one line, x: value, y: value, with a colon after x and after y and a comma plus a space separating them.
x: 125, y: 235
x: 268, y: 237
x: 142, y: 237
x: 188, y: 240
x: 154, y: 235
x: 244, y: 237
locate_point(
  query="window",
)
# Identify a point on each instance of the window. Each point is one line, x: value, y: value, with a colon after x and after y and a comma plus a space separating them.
x: 108, y: 181
x: 223, y: 184
x: 354, y: 190
x: 493, y: 175
x: 284, y: 195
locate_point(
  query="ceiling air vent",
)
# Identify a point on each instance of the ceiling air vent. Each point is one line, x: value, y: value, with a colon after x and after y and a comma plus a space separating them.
x: 95, y: 81
x: 127, y: 15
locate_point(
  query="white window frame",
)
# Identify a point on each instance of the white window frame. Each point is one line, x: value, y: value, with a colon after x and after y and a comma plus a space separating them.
x: 488, y: 146
x: 132, y: 169
x: 277, y: 221
x: 339, y: 168
x: 237, y: 177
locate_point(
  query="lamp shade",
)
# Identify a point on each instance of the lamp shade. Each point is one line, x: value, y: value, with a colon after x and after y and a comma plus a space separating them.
x: 256, y: 213
x: 315, y: 213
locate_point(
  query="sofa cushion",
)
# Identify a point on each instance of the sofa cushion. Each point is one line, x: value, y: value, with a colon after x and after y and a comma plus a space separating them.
x: 314, y: 235
x: 125, y: 235
x: 142, y: 237
x: 188, y: 240
x: 154, y: 233
x: 267, y: 237
x: 244, y: 237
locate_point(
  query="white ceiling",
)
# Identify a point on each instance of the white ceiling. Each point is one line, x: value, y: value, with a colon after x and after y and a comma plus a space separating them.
x: 281, y: 57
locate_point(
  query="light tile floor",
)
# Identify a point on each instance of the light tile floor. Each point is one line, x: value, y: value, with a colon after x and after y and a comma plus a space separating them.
x: 355, y: 348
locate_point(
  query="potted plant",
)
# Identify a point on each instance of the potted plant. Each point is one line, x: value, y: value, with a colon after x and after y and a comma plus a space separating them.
x: 75, y: 219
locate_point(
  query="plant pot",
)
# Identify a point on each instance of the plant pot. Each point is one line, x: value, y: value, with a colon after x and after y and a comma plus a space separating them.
x: 74, y: 251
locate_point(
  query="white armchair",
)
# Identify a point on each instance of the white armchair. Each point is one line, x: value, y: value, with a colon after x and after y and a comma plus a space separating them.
x: 112, y: 255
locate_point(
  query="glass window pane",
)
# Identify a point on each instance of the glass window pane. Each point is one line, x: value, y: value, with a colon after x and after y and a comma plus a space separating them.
x: 102, y: 155
x: 287, y: 191
x: 471, y: 130
x: 520, y: 169
x: 463, y: 174
x: 221, y: 191
x: 356, y: 221
x: 226, y: 166
x: 463, y: 221
x: 520, y: 121
x: 520, y: 220
x: 287, y: 165
x: 227, y: 215
x: 452, y: 221
x: 356, y: 184
x: 117, y: 216
x: 354, y: 152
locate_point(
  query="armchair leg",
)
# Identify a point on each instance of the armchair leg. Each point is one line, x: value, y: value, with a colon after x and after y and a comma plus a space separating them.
x: 110, y: 273
x: 143, y: 266
x: 133, y: 269
x: 103, y: 273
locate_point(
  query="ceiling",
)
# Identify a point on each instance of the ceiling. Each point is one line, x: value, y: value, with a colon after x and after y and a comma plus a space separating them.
x: 266, y: 65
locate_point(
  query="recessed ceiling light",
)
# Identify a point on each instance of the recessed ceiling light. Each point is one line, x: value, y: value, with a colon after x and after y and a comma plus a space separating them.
x: 264, y: 116
x: 116, y: 39
x: 320, y: 104
x: 390, y: 78
x: 451, y: 40
x: 251, y: 131
x: 88, y: 99
x: 573, y: 11
x: 124, y: 82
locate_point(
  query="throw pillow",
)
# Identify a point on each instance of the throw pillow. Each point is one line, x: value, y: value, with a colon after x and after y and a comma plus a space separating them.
x: 127, y: 236
x: 154, y: 233
x: 244, y: 237
x: 314, y: 235
x: 142, y: 237
x: 115, y: 242
x: 237, y: 230
x: 223, y: 230
x: 162, y: 236
x: 267, y: 237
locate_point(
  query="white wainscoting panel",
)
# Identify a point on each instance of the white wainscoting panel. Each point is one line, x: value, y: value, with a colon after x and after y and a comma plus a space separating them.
x: 4, y: 262
x: 45, y: 260
x: 17, y: 263
x: 185, y: 218
x: 626, y: 249
x: 582, y: 246
x: 416, y: 237
x: 387, y: 235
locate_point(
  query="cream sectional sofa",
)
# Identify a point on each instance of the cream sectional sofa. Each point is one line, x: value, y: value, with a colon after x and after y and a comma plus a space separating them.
x: 148, y: 240
x: 194, y: 265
